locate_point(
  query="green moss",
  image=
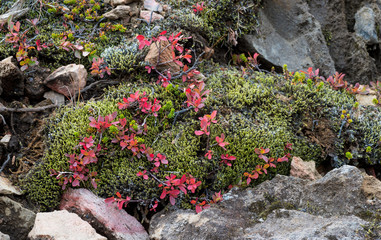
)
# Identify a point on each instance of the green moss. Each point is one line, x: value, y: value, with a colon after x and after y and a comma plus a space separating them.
x: 254, y: 110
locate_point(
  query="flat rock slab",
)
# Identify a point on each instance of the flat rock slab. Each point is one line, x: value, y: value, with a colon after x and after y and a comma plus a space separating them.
x: 62, y: 225
x: 108, y: 220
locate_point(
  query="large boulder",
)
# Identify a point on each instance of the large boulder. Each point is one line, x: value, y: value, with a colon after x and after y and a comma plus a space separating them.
x: 289, y: 34
x: 284, y: 206
x: 108, y: 220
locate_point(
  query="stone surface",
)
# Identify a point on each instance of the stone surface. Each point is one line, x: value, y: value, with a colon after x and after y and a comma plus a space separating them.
x: 107, y: 220
x: 296, y: 225
x: 285, y: 207
x: 34, y: 85
x: 303, y: 169
x: 6, y: 187
x: 289, y: 34
x: 67, y: 80
x: 146, y: 15
x: 120, y: 12
x: 55, y: 97
x: 62, y: 225
x: 347, y: 49
x: 371, y: 187
x: 165, y: 62
x: 4, y: 236
x: 15, y: 220
x: 5, y: 139
x: 121, y: 2
x: 11, y: 79
x: 152, y: 5
x: 365, y: 25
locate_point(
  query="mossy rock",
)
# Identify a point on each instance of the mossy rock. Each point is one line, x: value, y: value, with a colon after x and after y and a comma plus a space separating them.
x: 254, y: 110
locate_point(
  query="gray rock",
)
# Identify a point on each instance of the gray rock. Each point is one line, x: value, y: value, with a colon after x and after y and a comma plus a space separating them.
x: 67, y: 80
x: 62, y: 225
x: 289, y: 34
x: 11, y: 79
x: 4, y: 236
x: 347, y: 49
x: 365, y: 26
x: 290, y: 224
x: 56, y: 98
x: 16, y: 221
x: 282, y: 208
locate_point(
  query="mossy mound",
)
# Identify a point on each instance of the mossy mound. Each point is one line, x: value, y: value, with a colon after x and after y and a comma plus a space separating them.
x: 254, y: 110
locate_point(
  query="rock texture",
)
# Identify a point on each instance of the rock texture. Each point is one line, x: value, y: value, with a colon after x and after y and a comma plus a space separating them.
x: 289, y: 34
x: 6, y: 187
x: 67, y: 80
x: 120, y: 12
x: 4, y: 236
x: 107, y: 220
x: 15, y: 220
x: 332, y: 35
x: 290, y: 224
x: 277, y: 209
x: 146, y: 15
x: 165, y: 53
x: 11, y: 79
x: 304, y: 170
x: 62, y: 225
x: 349, y: 51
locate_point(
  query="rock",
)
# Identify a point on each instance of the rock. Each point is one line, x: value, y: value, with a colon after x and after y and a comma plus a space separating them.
x: 365, y: 100
x: 121, y: 2
x: 285, y: 207
x: 67, y: 80
x: 62, y: 225
x: 11, y: 79
x: 120, y: 12
x: 165, y: 62
x: 347, y: 49
x: 152, y: 5
x: 289, y: 34
x: 15, y: 220
x: 146, y: 15
x: 304, y: 170
x: 371, y: 187
x: 4, y: 236
x: 107, y: 220
x: 56, y: 98
x: 6, y: 139
x: 34, y: 85
x: 365, y: 26
x: 15, y: 12
x: 291, y: 224
x: 6, y: 187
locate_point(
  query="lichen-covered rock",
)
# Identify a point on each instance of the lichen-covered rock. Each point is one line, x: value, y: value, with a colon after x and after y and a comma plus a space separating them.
x: 283, y: 206
x: 16, y: 221
x: 62, y: 225
x: 150, y: 17
x: 107, y: 220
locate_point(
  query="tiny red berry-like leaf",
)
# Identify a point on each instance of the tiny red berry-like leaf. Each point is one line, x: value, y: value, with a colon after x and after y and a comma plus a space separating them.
x: 118, y: 195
